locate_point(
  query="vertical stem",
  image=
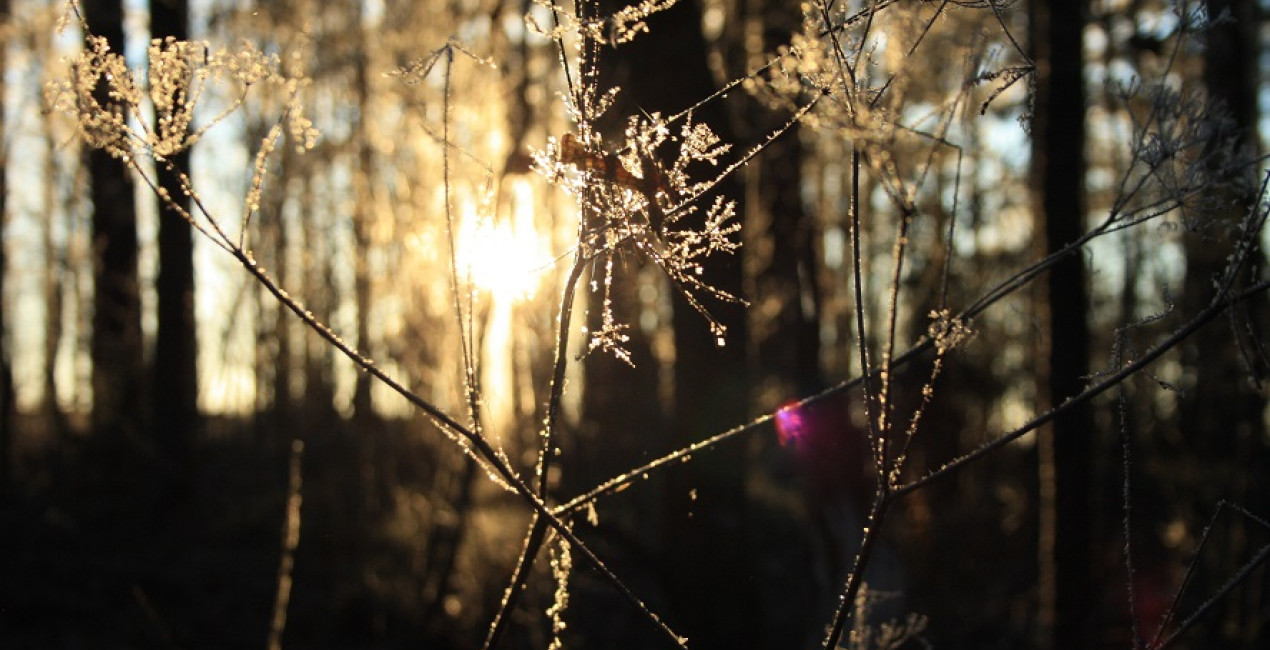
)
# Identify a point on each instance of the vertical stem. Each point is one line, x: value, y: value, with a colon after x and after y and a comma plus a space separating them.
x: 557, y: 375
x: 882, y: 494
x: 466, y: 327
x: 857, y: 275
x: 885, y: 408
x: 290, y: 540
x: 872, y: 530
x: 511, y: 596
x: 538, y: 528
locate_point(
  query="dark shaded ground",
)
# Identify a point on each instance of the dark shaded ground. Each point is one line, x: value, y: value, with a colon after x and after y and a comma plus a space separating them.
x: 98, y: 551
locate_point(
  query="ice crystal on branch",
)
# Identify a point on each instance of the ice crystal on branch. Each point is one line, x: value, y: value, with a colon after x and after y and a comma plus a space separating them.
x: 1182, y: 141
x: 611, y: 336
x: 697, y: 144
x: 947, y: 330
x: 561, y: 568
x: 106, y: 98
x: 628, y: 22
x: 414, y: 72
x: 620, y: 27
x: 634, y: 203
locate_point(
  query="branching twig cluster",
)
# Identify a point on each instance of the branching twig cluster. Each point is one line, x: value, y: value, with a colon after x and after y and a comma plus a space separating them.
x: 845, y: 77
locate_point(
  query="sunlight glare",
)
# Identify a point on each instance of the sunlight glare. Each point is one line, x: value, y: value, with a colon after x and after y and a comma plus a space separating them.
x: 505, y: 256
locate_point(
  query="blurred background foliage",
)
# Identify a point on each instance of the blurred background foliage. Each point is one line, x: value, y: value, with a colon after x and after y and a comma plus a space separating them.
x: 152, y: 390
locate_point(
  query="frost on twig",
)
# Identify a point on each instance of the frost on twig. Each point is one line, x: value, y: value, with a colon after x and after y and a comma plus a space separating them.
x: 106, y: 98
x: 633, y: 203
x: 948, y: 330
x: 561, y: 568
x: 617, y: 28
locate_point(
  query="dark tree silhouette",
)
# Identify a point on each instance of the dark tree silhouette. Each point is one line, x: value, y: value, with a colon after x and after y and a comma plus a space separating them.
x: 784, y: 344
x: 706, y: 526
x: 364, y: 205
x: 786, y: 334
x: 1222, y: 414
x: 1065, y: 448
x: 1214, y: 416
x: 116, y: 346
x: 175, y: 394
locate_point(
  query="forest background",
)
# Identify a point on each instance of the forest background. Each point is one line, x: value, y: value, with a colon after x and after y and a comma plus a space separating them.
x: 874, y: 324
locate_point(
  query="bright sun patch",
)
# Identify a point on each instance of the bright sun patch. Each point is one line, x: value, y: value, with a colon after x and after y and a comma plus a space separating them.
x: 506, y: 256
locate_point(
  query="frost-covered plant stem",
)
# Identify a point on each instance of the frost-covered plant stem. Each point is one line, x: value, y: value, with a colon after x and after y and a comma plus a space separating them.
x: 885, y: 495
x: 466, y: 318
x: 876, y: 425
x: 882, y: 499
x: 538, y: 527
x: 479, y: 444
x: 1158, y: 641
x: 556, y: 396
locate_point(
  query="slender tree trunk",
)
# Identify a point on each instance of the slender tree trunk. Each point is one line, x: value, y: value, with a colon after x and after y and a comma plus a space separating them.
x: 284, y: 360
x: 446, y: 539
x: 785, y: 333
x: 1066, y: 448
x: 274, y: 350
x: 275, y: 361
x: 782, y: 275
x: 281, y: 364
x: 175, y: 394
x: 323, y: 292
x: 363, y: 214
x: 55, y: 273
x: 6, y: 374
x: 116, y: 351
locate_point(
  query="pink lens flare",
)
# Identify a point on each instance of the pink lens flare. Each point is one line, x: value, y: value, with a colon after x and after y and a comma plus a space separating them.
x: 790, y: 425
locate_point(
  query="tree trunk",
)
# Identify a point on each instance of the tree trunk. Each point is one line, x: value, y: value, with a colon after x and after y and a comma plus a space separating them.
x: 55, y: 300
x: 1222, y: 414
x: 116, y: 351
x: 1223, y: 407
x: 175, y: 394
x: 782, y: 276
x: 56, y: 270
x: 785, y: 332
x: 708, y: 570
x: 6, y: 375
x: 1065, y: 448
x: 364, y: 212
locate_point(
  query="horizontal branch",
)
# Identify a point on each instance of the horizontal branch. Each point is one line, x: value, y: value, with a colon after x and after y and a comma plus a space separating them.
x: 1214, y: 309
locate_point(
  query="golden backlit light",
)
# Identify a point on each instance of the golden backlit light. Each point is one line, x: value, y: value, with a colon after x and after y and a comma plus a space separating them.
x: 505, y: 255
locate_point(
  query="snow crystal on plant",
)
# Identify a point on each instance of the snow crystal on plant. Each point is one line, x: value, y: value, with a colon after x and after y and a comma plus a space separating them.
x: 106, y: 97
x: 632, y: 202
